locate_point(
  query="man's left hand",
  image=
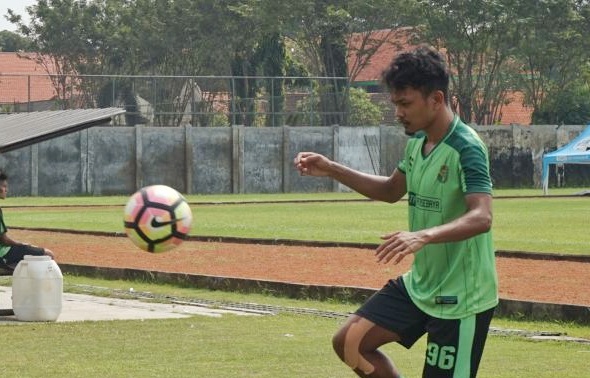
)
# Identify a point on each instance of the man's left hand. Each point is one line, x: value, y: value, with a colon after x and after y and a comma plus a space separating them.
x: 398, y: 245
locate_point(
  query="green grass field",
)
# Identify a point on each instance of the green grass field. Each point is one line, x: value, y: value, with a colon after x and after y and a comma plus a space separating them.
x: 237, y: 347
x: 283, y: 345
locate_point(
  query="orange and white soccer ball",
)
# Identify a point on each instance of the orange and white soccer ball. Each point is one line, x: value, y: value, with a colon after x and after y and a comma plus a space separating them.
x: 157, y: 218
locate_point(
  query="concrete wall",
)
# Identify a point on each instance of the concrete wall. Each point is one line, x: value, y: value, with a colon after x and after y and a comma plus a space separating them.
x: 120, y: 160
x: 516, y: 154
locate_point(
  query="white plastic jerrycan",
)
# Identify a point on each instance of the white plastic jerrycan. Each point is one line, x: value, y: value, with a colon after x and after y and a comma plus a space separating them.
x: 37, y: 287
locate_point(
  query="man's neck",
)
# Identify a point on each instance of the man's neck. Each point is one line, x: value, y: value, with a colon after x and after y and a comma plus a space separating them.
x: 440, y: 126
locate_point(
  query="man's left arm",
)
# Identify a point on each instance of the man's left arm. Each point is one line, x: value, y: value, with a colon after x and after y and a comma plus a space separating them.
x: 476, y: 220
x: 5, y: 240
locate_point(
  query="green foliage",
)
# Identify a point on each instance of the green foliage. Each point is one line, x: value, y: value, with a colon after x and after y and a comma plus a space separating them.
x: 219, y: 119
x: 479, y: 39
x: 263, y: 57
x: 570, y: 106
x: 554, y: 49
x: 12, y: 42
x: 496, y: 47
x: 363, y: 111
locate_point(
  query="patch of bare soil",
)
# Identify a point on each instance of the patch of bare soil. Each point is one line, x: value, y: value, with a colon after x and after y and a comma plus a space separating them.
x: 522, y: 279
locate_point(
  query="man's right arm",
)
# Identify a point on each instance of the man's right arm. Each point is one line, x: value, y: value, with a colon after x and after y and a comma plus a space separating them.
x: 381, y: 188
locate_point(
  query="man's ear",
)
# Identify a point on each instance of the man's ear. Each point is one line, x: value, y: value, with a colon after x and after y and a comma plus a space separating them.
x: 439, y: 99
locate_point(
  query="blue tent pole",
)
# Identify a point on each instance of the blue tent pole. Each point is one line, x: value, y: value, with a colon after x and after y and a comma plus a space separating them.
x: 545, y: 178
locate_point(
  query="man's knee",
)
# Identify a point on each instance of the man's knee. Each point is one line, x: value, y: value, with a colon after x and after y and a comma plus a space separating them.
x: 347, y: 344
x: 338, y: 342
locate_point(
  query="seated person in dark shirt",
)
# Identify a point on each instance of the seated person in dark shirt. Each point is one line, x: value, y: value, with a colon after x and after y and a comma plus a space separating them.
x: 12, y: 251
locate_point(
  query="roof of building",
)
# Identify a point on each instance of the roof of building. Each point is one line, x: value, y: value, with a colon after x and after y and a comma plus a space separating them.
x: 514, y: 112
x: 22, y: 129
x: 25, y: 79
x: 383, y: 45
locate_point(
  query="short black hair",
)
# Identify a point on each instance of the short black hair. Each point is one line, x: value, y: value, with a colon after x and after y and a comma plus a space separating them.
x: 423, y: 69
x: 3, y: 176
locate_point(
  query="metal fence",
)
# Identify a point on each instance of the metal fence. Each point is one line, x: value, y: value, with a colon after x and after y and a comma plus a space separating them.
x: 186, y: 100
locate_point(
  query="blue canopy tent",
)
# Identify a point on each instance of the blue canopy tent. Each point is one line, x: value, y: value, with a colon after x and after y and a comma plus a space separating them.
x: 575, y: 152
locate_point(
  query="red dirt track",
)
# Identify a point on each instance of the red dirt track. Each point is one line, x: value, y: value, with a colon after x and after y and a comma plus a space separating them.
x: 521, y: 279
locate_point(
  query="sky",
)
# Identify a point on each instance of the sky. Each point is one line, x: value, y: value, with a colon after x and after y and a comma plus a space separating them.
x: 18, y: 6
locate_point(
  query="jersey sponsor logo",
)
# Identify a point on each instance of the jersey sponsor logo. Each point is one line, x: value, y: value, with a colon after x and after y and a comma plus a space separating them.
x: 443, y: 174
x: 446, y: 299
x: 424, y: 203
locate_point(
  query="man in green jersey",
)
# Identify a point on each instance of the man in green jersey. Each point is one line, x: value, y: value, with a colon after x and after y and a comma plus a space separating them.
x: 11, y: 251
x: 451, y: 289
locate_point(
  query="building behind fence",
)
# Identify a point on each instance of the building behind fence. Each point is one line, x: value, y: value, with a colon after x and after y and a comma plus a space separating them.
x: 199, y: 101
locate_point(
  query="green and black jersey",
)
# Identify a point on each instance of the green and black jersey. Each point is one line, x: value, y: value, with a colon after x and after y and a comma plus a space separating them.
x: 458, y: 279
x: 3, y: 248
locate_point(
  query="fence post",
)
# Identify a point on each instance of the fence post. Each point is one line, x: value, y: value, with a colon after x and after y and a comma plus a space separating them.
x: 272, y: 101
x: 188, y: 159
x: 335, y: 152
x: 237, y: 159
x: 85, y: 184
x: 113, y: 92
x: 34, y: 169
x: 287, y: 160
x: 233, y: 101
x: 138, y: 157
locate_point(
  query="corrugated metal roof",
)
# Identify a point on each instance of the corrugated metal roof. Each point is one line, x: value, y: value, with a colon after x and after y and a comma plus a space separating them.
x: 22, y: 129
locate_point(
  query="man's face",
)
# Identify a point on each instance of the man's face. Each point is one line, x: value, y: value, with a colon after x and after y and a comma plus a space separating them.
x: 413, y: 109
x: 3, y: 189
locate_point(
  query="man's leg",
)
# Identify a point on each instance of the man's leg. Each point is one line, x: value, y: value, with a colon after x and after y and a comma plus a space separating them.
x: 455, y: 347
x: 388, y: 316
x: 357, y: 343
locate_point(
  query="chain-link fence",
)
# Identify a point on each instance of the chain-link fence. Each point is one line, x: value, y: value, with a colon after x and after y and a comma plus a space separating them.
x: 200, y: 101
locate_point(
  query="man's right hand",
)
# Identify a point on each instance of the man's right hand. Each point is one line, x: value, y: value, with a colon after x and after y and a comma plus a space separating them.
x: 312, y: 164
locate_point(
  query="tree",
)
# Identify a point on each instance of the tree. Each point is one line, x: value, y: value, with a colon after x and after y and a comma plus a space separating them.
x: 274, y: 61
x: 478, y: 39
x: 363, y: 112
x: 12, y: 42
x: 319, y: 33
x: 571, y: 107
x: 554, y: 48
x: 62, y: 38
x: 108, y: 37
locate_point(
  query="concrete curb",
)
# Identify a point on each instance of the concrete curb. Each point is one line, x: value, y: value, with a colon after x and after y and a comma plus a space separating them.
x: 544, y: 311
x: 507, y: 307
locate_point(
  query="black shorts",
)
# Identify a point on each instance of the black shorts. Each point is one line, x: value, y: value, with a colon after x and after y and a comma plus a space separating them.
x: 17, y: 252
x: 454, y: 346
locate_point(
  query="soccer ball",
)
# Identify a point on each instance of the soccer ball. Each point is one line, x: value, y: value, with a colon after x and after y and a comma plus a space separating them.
x: 157, y: 218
